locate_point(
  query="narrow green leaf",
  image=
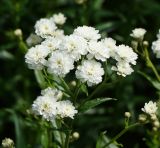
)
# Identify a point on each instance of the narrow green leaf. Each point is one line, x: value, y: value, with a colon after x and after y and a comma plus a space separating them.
x: 102, y: 140
x: 6, y: 55
x: 92, y: 103
x: 40, y: 79
x: 84, y: 89
x: 154, y: 82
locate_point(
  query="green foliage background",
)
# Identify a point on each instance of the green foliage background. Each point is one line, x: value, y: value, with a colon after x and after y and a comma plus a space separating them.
x: 114, y: 18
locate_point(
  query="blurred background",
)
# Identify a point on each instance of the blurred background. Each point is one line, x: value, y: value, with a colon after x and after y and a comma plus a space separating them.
x: 18, y: 85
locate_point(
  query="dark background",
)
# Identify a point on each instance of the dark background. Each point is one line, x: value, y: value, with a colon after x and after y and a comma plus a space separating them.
x: 18, y: 86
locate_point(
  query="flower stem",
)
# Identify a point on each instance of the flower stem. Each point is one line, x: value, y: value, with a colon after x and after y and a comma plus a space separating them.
x: 121, y: 133
x: 150, y: 64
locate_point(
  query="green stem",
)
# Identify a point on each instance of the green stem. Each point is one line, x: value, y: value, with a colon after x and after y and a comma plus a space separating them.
x: 77, y: 91
x: 150, y: 64
x: 66, y: 87
x: 99, y: 87
x: 121, y: 133
x: 67, y: 139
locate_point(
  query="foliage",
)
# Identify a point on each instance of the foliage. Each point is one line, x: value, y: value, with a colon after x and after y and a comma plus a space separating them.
x: 19, y: 86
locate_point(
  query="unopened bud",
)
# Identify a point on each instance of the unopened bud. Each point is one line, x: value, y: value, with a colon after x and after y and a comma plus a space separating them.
x: 155, y: 129
x: 18, y: 32
x: 156, y: 124
x: 142, y: 118
x: 73, y: 83
x: 153, y: 117
x: 127, y: 114
x: 7, y: 143
x: 145, y: 43
x: 80, y: 1
x: 75, y: 135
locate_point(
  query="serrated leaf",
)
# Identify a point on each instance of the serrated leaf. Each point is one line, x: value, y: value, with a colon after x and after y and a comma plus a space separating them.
x: 155, y: 83
x: 92, y: 103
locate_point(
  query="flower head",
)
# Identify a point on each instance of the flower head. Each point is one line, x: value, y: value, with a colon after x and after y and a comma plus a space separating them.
x: 66, y: 109
x: 59, y: 18
x: 88, y: 33
x: 35, y: 57
x: 45, y: 27
x: 7, y: 143
x: 150, y: 108
x: 90, y: 71
x: 156, y: 48
x: 125, y: 54
x: 75, y: 46
x: 122, y: 69
x: 52, y: 93
x: 45, y: 106
x: 97, y: 50
x: 60, y: 63
x: 52, y: 43
x: 138, y: 33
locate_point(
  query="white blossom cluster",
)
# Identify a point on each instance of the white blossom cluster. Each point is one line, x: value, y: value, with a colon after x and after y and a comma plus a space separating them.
x: 138, y: 33
x: 156, y: 46
x: 150, y: 108
x: 83, y: 51
x: 49, y: 105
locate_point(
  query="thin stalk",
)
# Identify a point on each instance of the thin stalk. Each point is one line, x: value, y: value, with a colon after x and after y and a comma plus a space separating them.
x: 121, y: 133
x: 66, y: 87
x: 150, y: 64
x: 67, y: 139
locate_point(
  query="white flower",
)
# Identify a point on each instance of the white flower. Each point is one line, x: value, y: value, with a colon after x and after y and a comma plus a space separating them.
x: 138, y: 33
x: 97, y: 50
x: 156, y: 48
x: 45, y: 27
x: 89, y: 33
x: 126, y: 54
x: 33, y: 39
x: 150, y: 108
x: 59, y: 18
x: 45, y: 106
x: 75, y: 46
x: 122, y: 68
x: 35, y: 57
x: 90, y: 71
x: 110, y: 44
x: 60, y: 63
x: 66, y: 109
x: 7, y: 143
x: 52, y: 93
x: 59, y: 34
x: 158, y: 35
x: 52, y: 43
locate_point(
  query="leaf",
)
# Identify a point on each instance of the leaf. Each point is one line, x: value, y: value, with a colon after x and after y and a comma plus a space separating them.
x: 155, y: 83
x: 84, y: 89
x: 92, y: 103
x: 40, y: 79
x: 20, y: 142
x: 103, y: 140
x: 6, y: 55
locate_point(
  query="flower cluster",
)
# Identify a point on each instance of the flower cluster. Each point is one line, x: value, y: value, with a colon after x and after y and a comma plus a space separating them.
x: 49, y: 105
x: 83, y: 51
x: 156, y: 46
x: 150, y: 109
x: 138, y: 33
